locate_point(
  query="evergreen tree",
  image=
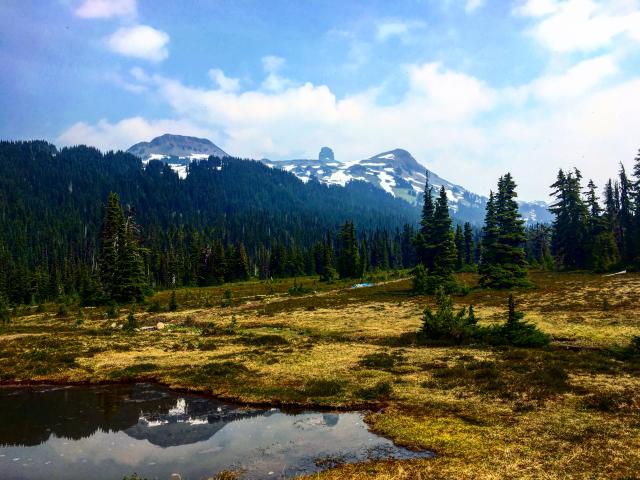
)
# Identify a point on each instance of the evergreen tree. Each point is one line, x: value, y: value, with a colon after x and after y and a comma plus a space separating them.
x: 364, y: 256
x: 328, y: 271
x: 506, y: 262
x: 442, y: 248
x: 444, y: 323
x: 348, y: 256
x: 625, y: 218
x: 131, y: 266
x: 121, y: 264
x: 460, y: 250
x: 601, y: 245
x: 425, y: 237
x: 636, y: 211
x: 489, y: 256
x: 468, y: 244
x: 570, y: 227
x: 173, y: 302
x: 218, y: 263
x: 242, y: 269
x: 112, y: 240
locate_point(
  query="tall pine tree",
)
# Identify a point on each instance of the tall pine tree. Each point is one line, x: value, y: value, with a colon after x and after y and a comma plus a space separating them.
x: 507, y: 265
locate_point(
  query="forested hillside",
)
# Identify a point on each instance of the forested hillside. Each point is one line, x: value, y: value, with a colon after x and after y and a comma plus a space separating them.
x: 52, y: 206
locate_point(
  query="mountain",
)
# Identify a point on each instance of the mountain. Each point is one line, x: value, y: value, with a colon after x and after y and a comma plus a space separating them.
x: 177, y: 151
x: 398, y: 173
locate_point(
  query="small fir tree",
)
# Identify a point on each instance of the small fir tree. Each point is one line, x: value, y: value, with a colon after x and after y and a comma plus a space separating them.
x: 173, y: 302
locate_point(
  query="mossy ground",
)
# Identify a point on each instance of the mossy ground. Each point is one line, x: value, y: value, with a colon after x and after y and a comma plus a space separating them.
x: 570, y: 410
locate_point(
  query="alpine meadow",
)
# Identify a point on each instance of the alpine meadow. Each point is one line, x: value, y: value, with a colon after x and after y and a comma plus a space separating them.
x: 320, y: 240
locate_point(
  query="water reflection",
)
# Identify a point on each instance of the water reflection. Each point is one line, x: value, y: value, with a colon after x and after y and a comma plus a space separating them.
x: 111, y: 431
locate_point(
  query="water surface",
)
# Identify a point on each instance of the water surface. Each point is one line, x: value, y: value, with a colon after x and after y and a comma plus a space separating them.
x: 106, y: 432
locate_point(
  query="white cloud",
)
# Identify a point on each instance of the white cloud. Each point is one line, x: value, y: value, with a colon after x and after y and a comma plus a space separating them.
x: 227, y: 84
x: 465, y: 130
x: 535, y: 8
x: 579, y: 79
x: 274, y: 81
x: 272, y: 63
x: 593, y: 134
x: 581, y: 25
x: 473, y: 5
x: 121, y: 135
x: 140, y: 41
x: 106, y: 8
x: 449, y: 94
x: 401, y: 29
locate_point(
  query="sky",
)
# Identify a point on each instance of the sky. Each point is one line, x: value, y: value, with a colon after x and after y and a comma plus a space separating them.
x: 472, y: 88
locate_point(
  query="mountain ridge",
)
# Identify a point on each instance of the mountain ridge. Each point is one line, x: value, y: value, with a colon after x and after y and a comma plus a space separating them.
x: 395, y: 171
x: 401, y: 175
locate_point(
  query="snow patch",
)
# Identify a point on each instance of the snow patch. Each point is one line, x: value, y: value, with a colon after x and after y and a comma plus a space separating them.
x: 339, y: 178
x: 387, y: 182
x: 181, y: 170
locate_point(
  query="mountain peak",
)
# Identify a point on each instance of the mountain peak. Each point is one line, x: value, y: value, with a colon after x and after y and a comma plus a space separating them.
x: 326, y: 155
x: 176, y: 146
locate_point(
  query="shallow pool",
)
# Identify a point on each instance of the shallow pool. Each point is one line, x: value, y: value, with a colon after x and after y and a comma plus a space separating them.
x: 107, y: 432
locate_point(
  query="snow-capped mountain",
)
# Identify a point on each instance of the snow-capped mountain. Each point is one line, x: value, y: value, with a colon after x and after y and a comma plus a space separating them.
x: 177, y: 151
x: 398, y: 173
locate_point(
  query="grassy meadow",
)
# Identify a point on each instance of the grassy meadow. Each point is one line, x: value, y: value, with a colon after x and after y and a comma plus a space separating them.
x: 569, y: 410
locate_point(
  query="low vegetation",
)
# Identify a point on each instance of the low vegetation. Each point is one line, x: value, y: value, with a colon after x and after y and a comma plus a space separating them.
x: 562, y: 403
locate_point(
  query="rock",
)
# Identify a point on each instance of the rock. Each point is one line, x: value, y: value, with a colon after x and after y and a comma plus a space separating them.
x: 114, y: 325
x: 160, y: 326
x: 326, y: 155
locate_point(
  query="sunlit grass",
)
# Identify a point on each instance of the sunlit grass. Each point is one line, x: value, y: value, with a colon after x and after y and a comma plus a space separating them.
x: 571, y: 410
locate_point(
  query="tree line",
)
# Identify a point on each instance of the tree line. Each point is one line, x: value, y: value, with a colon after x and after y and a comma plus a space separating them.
x: 227, y: 218
x: 233, y: 219
x: 596, y: 233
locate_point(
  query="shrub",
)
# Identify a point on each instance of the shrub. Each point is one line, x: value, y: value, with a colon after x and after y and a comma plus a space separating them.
x: 263, y: 340
x: 444, y: 323
x: 173, y: 302
x: 233, y: 325
x: 419, y: 281
x: 62, y: 310
x: 206, y: 345
x: 298, y: 289
x: 131, y: 324
x: 79, y: 317
x: 112, y: 310
x: 518, y: 333
x: 323, y: 387
x: 380, y: 360
x: 154, y: 307
x: 5, y: 313
x: 227, y: 299
x: 380, y: 391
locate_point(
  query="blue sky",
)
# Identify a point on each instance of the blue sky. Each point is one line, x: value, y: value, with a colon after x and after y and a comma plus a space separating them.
x: 472, y: 88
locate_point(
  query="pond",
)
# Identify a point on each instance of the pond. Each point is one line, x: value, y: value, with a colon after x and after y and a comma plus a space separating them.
x: 109, y: 431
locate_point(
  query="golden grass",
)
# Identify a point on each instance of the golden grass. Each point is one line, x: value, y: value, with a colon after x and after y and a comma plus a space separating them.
x: 571, y: 410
